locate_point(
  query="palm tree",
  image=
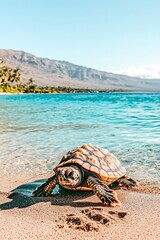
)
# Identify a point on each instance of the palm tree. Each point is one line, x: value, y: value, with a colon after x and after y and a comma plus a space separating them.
x: 31, y: 81
x: 8, y: 75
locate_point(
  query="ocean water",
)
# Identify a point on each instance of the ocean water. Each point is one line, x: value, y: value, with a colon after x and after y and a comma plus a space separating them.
x: 36, y: 130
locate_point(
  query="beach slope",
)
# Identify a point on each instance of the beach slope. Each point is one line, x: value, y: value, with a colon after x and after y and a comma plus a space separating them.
x: 79, y: 215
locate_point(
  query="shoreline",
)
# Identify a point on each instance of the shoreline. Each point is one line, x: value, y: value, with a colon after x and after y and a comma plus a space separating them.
x: 77, y: 215
x: 95, y: 92
x: 28, y: 182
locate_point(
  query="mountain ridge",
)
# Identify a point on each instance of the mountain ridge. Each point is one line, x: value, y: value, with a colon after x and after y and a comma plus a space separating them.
x: 50, y: 72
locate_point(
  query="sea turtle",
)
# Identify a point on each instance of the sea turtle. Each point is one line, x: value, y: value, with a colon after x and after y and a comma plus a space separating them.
x: 88, y: 168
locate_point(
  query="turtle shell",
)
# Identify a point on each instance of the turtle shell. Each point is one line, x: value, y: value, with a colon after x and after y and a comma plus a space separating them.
x: 95, y: 160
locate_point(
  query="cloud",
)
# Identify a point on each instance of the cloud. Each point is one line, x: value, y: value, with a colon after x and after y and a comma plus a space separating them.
x: 143, y: 71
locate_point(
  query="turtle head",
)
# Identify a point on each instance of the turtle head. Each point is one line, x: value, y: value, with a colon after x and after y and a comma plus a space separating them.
x: 69, y: 176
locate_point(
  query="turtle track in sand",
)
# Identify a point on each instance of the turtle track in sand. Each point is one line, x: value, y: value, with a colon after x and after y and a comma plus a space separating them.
x: 90, y: 219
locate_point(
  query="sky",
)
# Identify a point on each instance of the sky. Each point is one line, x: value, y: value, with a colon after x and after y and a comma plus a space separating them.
x: 108, y: 35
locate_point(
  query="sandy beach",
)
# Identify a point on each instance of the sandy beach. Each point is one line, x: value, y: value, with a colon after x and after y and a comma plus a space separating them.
x: 76, y: 215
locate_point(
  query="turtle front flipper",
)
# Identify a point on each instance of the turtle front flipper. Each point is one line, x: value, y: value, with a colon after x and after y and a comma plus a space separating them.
x: 127, y: 182
x: 46, y: 188
x: 100, y: 188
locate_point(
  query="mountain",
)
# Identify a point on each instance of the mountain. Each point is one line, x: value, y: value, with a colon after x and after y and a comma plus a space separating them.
x: 48, y: 72
x: 151, y: 71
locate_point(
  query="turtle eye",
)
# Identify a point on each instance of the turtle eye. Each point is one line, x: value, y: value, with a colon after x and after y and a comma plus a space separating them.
x: 68, y: 174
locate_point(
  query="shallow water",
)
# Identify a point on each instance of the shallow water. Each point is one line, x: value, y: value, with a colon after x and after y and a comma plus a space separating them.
x: 36, y: 130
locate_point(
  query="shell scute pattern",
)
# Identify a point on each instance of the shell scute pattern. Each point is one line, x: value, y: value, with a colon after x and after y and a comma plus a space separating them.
x: 83, y: 151
x: 86, y: 165
x: 104, y: 165
x: 94, y: 169
x: 98, y: 154
x: 79, y: 155
x: 96, y: 160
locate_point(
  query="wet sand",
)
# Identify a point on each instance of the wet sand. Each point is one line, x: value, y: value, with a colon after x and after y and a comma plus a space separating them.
x: 76, y: 215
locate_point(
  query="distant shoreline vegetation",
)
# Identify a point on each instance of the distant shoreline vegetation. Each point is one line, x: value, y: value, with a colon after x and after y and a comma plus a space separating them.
x: 10, y: 82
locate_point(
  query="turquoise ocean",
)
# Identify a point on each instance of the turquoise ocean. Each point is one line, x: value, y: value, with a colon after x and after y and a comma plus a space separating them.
x: 36, y: 130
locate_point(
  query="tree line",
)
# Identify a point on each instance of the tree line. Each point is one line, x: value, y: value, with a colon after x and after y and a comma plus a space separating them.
x: 10, y: 82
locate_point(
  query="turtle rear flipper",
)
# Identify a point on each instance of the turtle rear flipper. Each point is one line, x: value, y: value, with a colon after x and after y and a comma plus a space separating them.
x: 46, y: 188
x: 127, y: 182
x: 100, y: 188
